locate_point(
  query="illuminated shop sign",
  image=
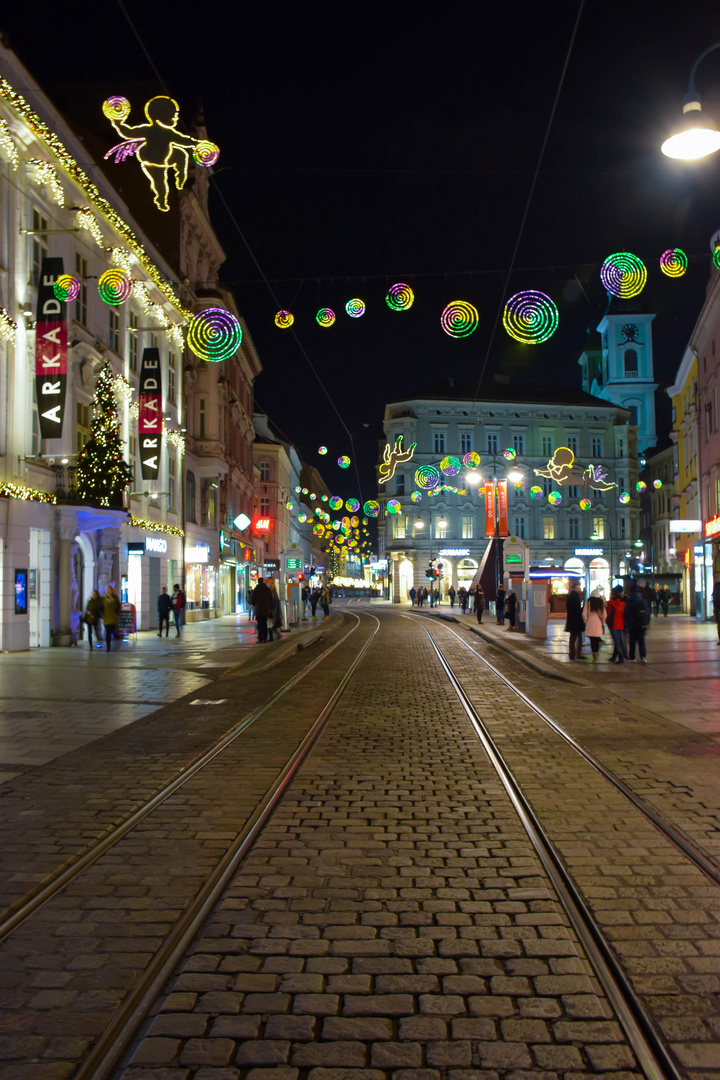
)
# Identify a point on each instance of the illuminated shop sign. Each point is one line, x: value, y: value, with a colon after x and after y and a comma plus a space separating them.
x: 150, y: 414
x: 50, y: 352
x: 241, y: 522
x: 262, y: 524
x: 454, y: 551
x: 588, y: 551
x: 199, y: 553
x: 685, y: 525
x: 712, y: 528
x: 157, y: 544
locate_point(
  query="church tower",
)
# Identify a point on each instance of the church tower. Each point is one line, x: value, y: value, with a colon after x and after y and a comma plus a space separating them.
x: 622, y: 372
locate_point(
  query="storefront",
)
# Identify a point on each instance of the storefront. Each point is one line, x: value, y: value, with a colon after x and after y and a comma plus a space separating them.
x: 202, y: 591
x: 704, y: 556
x: 151, y: 561
x: 591, y: 562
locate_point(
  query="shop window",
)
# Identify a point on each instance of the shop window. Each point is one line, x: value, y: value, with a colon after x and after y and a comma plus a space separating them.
x: 172, y: 480
x: 190, y: 496
x: 548, y: 528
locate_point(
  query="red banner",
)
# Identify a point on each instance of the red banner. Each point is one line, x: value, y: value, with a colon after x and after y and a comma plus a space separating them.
x: 502, y: 508
x: 489, y: 508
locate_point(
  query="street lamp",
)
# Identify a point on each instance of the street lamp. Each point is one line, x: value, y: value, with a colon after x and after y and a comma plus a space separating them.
x: 601, y: 536
x: 699, y: 136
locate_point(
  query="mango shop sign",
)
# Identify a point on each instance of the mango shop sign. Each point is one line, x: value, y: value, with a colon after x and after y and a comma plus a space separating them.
x: 157, y: 544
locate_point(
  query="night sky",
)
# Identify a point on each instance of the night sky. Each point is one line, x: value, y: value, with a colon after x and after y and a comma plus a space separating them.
x: 363, y: 145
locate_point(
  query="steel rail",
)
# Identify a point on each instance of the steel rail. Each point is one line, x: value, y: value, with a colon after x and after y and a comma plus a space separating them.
x: 22, y: 909
x: 119, y: 1034
x: 653, y: 1057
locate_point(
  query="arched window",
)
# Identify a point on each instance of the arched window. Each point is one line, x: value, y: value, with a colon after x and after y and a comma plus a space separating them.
x: 631, y: 363
x: 190, y: 496
x: 633, y: 410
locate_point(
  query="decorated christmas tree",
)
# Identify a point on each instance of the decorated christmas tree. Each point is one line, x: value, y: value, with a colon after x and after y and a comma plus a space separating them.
x: 334, y: 563
x: 102, y: 474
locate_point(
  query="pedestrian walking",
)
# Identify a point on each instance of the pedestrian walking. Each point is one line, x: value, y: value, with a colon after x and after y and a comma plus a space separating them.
x: 275, y: 619
x: 657, y: 600
x: 637, y: 620
x: 479, y: 603
x: 262, y: 603
x: 463, y: 598
x: 665, y: 600
x: 500, y: 605
x: 314, y: 597
x: 431, y: 597
x: 164, y: 607
x: 178, y: 608
x: 716, y: 606
x: 111, y: 609
x: 511, y: 608
x: 412, y: 594
x: 648, y: 594
x: 615, y: 619
x: 305, y: 597
x: 325, y: 601
x: 594, y: 617
x: 574, y: 622
x: 452, y: 594
x: 436, y: 594
x: 92, y: 616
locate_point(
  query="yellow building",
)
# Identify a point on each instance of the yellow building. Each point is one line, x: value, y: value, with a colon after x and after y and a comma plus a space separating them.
x: 684, y: 394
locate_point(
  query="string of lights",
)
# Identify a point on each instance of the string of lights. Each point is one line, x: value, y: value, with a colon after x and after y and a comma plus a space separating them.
x: 18, y: 491
x: 155, y: 526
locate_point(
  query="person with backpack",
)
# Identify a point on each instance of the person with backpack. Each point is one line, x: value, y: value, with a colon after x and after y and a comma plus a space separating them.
x: 615, y: 619
x: 637, y: 620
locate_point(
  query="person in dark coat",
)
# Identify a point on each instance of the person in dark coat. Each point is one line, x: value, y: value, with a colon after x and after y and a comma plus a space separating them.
x: 479, y: 603
x: 511, y: 608
x: 574, y: 623
x: 451, y: 594
x: 164, y: 607
x: 93, y: 614
x: 500, y: 605
x: 637, y: 620
x: 275, y: 620
x: 648, y: 594
x: 111, y: 609
x: 463, y: 598
x: 716, y: 606
x: 262, y: 602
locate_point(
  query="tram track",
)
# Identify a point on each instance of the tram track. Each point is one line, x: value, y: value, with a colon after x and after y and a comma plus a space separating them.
x: 26, y: 906
x: 653, y: 1055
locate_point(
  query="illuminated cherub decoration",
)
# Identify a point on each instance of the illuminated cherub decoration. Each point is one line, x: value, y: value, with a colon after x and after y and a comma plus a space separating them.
x: 392, y: 458
x: 560, y: 468
x: 158, y: 145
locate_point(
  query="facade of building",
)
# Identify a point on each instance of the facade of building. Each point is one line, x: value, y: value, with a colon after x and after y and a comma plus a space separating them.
x: 684, y: 396
x: 531, y: 424
x: 622, y: 371
x: 657, y: 511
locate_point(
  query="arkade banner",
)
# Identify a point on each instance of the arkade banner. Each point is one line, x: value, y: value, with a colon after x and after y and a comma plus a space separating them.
x: 150, y: 415
x: 50, y: 352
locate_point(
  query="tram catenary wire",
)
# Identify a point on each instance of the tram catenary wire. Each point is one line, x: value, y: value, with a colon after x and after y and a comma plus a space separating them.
x: 653, y: 1057
x: 27, y: 905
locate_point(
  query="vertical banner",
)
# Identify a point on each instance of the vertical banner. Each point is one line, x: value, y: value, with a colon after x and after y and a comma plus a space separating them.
x: 502, y: 508
x: 489, y: 508
x: 150, y: 415
x: 50, y: 352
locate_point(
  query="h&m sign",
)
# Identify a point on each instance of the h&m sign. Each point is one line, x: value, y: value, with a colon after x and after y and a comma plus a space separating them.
x: 50, y: 352
x: 150, y: 415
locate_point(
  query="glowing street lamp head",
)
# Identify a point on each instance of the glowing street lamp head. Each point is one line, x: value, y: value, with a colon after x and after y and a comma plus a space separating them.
x: 516, y: 476
x: 697, y: 138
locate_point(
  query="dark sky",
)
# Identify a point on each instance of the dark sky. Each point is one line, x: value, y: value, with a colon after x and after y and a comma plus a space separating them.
x: 363, y: 145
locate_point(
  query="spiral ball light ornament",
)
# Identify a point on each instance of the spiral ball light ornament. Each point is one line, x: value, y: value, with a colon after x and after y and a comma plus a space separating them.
x: 335, y: 502
x: 427, y: 477
x: 66, y: 288
x: 624, y: 497
x: 450, y: 466
x: 399, y: 297
x: 325, y: 317
x: 657, y: 484
x: 206, y: 153
x: 115, y: 287
x: 555, y: 498
x: 214, y: 335
x: 585, y: 504
x: 284, y: 319
x: 372, y: 508
x: 623, y: 274
x: 116, y: 109
x: 471, y: 458
x: 394, y: 506
x: 344, y: 461
x: 322, y: 451
x: 530, y: 317
x: 510, y: 454
x: 536, y: 492
x: 416, y: 496
x: 641, y: 486
x: 355, y: 308
x: 673, y: 262
x: 459, y: 319
x: 716, y: 258
x: 352, y: 505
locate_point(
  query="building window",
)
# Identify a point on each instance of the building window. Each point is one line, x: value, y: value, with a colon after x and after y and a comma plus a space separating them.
x: 439, y: 442
x: 172, y: 379
x: 133, y: 343
x: 623, y: 528
x: 264, y: 472
x: 633, y: 410
x: 203, y: 405
x: 265, y: 507
x: 190, y: 496
x: 573, y: 491
x: 400, y: 527
x: 519, y: 527
x: 519, y: 444
x: 83, y: 416
x: 621, y: 448
x: 574, y: 528
x: 631, y: 364
x: 81, y: 304
x: 597, y: 448
x: 466, y: 526
x: 492, y: 444
x: 599, y: 528
x: 172, y: 480
x: 465, y: 442
x: 441, y: 527
x: 547, y: 485
x: 572, y: 443
x: 39, y: 246
x: 114, y: 329
x: 548, y: 528
x: 399, y: 483
x: 547, y: 446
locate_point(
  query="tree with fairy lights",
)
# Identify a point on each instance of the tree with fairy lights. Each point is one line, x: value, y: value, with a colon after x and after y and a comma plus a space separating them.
x: 102, y: 473
x: 334, y: 563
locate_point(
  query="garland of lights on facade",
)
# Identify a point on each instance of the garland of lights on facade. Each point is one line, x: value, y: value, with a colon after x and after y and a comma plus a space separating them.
x: 154, y: 526
x: 17, y: 491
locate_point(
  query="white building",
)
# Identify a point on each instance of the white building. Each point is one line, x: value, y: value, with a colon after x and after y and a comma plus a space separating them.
x: 532, y: 424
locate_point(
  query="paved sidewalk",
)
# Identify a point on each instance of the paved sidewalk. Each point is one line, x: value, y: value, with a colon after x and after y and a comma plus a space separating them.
x: 53, y: 701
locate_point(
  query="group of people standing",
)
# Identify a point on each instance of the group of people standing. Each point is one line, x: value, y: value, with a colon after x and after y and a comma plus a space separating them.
x: 421, y: 596
x: 626, y: 615
x: 105, y: 610
x: 472, y: 599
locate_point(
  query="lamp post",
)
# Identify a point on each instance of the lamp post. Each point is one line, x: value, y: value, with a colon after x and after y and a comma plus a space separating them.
x: 698, y: 137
